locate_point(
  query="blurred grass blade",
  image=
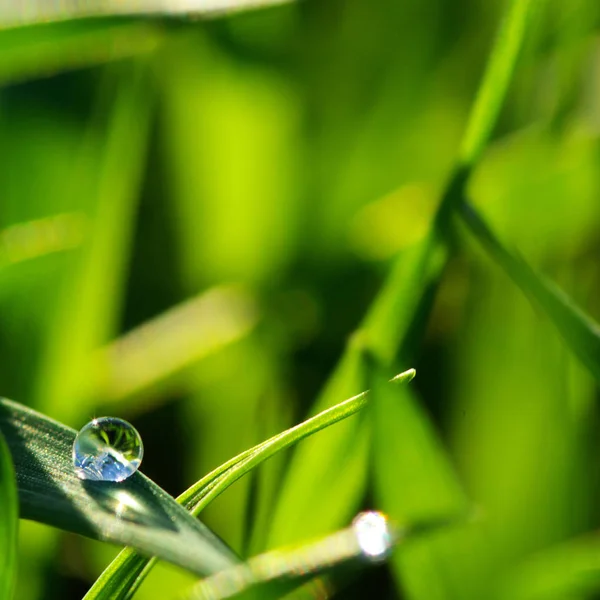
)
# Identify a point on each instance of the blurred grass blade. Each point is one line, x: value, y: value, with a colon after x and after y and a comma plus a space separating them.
x: 8, y: 522
x: 494, y: 86
x: 580, y: 332
x: 413, y: 481
x: 276, y: 573
x: 111, y: 163
x: 47, y: 49
x: 124, y: 575
x: 393, y: 326
x: 154, y: 354
x: 29, y: 240
x: 39, y: 11
x: 135, y: 512
x: 338, y: 459
x: 412, y: 473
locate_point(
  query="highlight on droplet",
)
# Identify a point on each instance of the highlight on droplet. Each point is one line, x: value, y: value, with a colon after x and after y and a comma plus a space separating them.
x: 373, y: 534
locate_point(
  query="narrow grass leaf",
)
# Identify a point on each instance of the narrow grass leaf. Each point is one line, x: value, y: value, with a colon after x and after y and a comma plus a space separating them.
x: 497, y: 77
x: 8, y: 522
x: 580, y: 332
x: 124, y: 575
x: 135, y: 512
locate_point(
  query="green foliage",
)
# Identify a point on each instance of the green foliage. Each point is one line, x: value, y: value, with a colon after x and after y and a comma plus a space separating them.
x: 196, y: 215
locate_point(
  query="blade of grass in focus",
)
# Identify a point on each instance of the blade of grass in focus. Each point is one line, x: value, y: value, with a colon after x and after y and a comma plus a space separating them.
x: 47, y: 49
x: 8, y: 522
x: 580, y: 332
x: 39, y: 11
x: 126, y: 573
x: 134, y: 512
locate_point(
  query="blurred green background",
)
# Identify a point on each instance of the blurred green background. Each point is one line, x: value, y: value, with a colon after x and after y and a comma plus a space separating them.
x: 195, y: 216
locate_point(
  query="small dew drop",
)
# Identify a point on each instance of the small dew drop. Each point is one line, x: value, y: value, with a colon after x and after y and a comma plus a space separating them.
x: 107, y: 449
x: 373, y: 534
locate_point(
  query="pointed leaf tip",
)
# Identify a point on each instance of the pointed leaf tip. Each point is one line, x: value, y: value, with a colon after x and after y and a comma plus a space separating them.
x: 404, y: 377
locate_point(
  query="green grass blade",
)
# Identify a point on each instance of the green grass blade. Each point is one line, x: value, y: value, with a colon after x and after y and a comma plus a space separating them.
x: 400, y: 429
x: 579, y: 331
x: 274, y: 574
x: 122, y: 577
x: 396, y: 320
x: 498, y: 74
x: 195, y: 499
x: 135, y: 512
x: 8, y: 522
x: 40, y: 11
x: 336, y: 558
x: 112, y: 162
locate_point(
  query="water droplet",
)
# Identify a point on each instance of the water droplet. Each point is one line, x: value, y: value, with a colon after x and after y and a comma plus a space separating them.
x: 107, y: 449
x: 373, y: 534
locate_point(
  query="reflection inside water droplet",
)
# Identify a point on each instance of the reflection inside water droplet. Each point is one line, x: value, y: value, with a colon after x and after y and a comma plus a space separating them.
x: 130, y: 503
x: 373, y: 534
x: 107, y: 449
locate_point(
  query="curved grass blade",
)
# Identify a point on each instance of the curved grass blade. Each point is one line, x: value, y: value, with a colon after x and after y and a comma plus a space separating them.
x: 8, y: 522
x: 13, y: 14
x: 579, y: 331
x: 135, y: 512
x: 498, y: 74
x: 125, y: 574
